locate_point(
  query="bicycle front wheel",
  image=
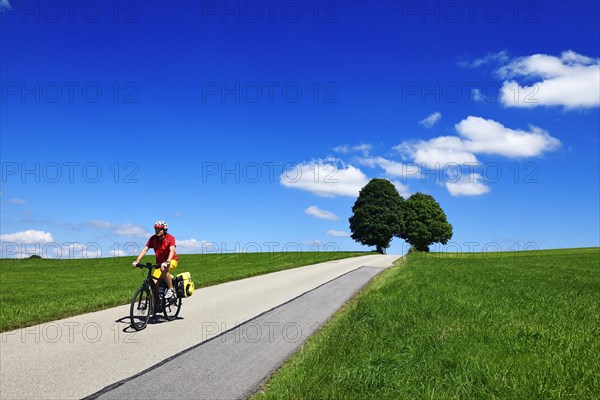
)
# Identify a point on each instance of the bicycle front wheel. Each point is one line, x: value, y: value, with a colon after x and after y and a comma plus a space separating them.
x: 171, y: 308
x: 141, y: 308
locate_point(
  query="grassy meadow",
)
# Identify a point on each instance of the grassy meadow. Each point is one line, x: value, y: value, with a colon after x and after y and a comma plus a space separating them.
x: 33, y: 291
x: 516, y: 325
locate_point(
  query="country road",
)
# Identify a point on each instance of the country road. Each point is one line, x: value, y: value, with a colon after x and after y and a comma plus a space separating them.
x: 98, y: 354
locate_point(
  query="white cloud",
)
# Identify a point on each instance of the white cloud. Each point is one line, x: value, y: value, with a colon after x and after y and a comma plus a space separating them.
x: 571, y: 80
x: 131, y: 230
x: 345, y: 149
x: 478, y: 136
x: 333, y: 232
x: 99, y: 224
x: 490, y: 58
x: 17, y: 201
x: 392, y: 168
x: 27, y: 237
x: 403, y: 189
x: 127, y: 229
x: 364, y: 149
x: 71, y: 250
x: 193, y: 246
x: 119, y: 253
x: 319, y: 213
x: 490, y: 137
x: 26, y: 243
x: 437, y: 152
x: 470, y: 185
x: 477, y: 95
x: 431, y: 120
x: 327, y: 178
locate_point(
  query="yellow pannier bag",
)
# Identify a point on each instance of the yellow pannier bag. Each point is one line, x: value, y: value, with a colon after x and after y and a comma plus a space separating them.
x: 185, y: 285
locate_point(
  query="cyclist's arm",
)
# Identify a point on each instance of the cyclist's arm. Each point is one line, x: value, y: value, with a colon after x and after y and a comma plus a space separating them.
x: 171, y: 253
x: 142, y: 254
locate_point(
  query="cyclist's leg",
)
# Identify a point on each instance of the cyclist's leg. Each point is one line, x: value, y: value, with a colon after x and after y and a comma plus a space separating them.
x: 155, y: 278
x: 154, y: 294
x: 167, y: 273
x: 167, y: 278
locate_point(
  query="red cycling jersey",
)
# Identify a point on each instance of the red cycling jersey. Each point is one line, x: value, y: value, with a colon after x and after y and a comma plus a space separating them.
x: 161, y: 247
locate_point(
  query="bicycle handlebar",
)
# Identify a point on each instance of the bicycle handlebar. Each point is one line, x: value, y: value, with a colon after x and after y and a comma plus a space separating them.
x: 147, y: 265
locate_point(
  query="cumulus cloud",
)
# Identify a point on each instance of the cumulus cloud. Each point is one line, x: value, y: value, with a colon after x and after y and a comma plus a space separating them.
x: 478, y: 136
x: 130, y: 230
x: 392, y: 168
x: 469, y: 185
x: 327, y: 178
x: 437, y: 152
x: 319, y: 213
x: 487, y: 136
x: 193, y: 246
x: 28, y: 237
x: 26, y: 243
x: 119, y: 253
x: 571, y: 80
x: 431, y: 120
x: 403, y: 189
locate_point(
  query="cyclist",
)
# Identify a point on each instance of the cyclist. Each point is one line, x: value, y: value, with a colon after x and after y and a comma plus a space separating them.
x: 164, y: 248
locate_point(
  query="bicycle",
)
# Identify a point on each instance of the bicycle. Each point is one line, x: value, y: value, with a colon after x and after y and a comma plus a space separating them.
x: 143, y: 304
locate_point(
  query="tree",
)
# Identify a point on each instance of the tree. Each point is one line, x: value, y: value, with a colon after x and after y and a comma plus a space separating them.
x: 425, y: 222
x: 377, y: 214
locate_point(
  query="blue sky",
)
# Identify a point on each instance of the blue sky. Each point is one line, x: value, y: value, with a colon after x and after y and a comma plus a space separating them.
x: 253, y: 125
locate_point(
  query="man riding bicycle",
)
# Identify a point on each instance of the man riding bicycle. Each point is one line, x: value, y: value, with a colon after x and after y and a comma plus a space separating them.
x: 164, y: 248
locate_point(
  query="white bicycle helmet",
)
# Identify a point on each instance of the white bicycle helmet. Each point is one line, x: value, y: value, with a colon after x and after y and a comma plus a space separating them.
x: 161, y: 225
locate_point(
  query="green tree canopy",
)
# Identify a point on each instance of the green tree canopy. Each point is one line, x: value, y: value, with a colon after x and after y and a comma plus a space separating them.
x: 377, y: 214
x: 425, y: 222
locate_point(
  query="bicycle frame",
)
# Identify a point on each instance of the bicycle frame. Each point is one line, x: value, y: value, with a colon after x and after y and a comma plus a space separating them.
x: 151, y: 304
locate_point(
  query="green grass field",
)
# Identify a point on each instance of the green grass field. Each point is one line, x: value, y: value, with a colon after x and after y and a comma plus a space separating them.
x: 468, y: 326
x: 33, y: 291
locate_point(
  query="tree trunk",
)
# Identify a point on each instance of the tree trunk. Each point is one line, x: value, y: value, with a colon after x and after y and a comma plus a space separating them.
x: 422, y: 247
x: 380, y: 249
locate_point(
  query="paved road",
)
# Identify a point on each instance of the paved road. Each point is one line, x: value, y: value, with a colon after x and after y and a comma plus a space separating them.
x: 79, y: 356
x: 233, y: 365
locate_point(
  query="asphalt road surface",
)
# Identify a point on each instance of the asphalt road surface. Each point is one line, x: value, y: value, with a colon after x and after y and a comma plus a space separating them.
x: 228, y: 339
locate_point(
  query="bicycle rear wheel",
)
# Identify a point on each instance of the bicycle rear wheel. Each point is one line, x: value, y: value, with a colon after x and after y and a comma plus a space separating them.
x: 141, y: 308
x: 171, y: 308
